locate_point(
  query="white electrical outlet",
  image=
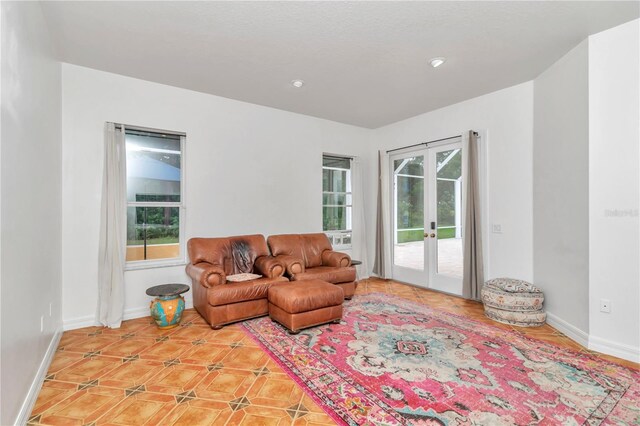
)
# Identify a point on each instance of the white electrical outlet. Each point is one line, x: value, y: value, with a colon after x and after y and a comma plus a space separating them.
x: 497, y: 228
x: 605, y: 305
x: 41, y: 323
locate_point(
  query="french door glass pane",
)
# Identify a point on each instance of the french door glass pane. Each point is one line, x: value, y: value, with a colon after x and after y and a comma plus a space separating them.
x: 409, y: 217
x: 449, y: 212
x: 153, y: 233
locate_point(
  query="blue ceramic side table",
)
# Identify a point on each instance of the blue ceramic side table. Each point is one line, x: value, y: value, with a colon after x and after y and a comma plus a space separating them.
x: 168, y: 305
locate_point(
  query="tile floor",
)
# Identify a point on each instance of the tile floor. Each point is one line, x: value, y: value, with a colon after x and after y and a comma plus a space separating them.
x: 193, y: 375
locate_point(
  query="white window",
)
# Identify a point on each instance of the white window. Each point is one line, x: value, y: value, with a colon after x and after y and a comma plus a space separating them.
x: 155, y: 197
x: 337, y: 200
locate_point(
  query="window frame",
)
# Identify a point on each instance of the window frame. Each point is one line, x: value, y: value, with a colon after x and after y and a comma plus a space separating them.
x: 337, y: 236
x: 181, y: 259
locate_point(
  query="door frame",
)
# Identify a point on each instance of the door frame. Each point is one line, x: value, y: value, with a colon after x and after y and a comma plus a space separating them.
x: 483, y: 177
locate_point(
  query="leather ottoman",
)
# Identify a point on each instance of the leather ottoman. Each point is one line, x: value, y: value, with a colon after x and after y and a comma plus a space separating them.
x: 302, y: 304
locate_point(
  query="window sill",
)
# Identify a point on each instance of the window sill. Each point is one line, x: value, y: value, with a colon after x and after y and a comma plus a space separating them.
x: 154, y: 264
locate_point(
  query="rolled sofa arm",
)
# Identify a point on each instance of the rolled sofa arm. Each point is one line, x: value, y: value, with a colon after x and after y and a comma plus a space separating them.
x: 292, y: 264
x: 335, y: 259
x: 269, y: 266
x: 207, y: 274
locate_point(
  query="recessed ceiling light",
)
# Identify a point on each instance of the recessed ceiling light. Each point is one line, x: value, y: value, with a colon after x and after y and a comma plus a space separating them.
x: 436, y: 62
x: 297, y: 83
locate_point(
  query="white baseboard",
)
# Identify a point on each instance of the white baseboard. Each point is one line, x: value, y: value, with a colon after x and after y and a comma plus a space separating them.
x: 79, y: 322
x: 619, y: 350
x: 34, y: 389
x: 569, y: 330
x: 134, y: 313
x: 594, y: 343
x: 130, y: 313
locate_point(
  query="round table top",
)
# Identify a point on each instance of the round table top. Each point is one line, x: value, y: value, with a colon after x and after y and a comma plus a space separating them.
x: 167, y: 290
x: 356, y: 262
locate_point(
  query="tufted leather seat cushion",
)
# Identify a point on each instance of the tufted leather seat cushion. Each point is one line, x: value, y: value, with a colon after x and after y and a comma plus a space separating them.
x: 328, y: 273
x: 242, y: 291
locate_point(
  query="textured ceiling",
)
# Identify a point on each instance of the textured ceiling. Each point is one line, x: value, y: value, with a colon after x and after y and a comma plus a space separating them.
x: 364, y: 63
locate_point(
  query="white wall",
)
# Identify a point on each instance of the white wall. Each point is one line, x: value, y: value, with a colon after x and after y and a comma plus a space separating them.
x: 561, y: 191
x: 505, y: 118
x: 31, y: 205
x: 249, y: 169
x: 614, y: 195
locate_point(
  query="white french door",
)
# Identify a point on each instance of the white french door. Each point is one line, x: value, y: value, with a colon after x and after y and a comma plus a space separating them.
x: 427, y: 188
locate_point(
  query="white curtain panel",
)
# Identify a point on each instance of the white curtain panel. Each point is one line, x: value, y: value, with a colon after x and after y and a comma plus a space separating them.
x: 382, y: 266
x: 113, y: 229
x: 359, y: 236
x: 386, y: 212
x: 473, y: 259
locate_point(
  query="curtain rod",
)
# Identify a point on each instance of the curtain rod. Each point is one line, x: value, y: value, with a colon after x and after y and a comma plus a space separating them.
x: 148, y: 129
x: 339, y: 157
x: 427, y: 143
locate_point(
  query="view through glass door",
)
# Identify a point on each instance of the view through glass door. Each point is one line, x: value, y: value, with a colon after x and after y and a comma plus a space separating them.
x: 445, y: 215
x: 408, y: 199
x: 427, y: 205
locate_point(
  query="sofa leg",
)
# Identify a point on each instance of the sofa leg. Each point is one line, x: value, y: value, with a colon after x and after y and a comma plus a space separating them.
x: 216, y: 327
x: 294, y: 331
x: 336, y: 321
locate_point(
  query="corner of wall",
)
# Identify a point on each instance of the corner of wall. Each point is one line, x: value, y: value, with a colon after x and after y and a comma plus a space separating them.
x: 31, y: 79
x: 614, y: 224
x: 38, y: 380
x: 560, y: 192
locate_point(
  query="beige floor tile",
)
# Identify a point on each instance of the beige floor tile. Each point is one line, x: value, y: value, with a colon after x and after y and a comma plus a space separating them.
x: 194, y: 375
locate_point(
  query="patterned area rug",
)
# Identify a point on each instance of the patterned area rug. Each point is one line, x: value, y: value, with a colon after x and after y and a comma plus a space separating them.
x: 392, y: 361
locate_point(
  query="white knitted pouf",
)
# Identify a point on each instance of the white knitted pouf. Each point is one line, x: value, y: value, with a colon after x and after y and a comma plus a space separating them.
x: 514, y: 302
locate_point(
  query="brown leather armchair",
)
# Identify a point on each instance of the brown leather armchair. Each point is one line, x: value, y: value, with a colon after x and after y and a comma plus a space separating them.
x: 212, y: 259
x: 310, y: 256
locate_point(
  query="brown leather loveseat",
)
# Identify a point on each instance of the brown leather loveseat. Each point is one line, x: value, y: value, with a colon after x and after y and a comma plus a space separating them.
x: 212, y: 259
x: 310, y: 256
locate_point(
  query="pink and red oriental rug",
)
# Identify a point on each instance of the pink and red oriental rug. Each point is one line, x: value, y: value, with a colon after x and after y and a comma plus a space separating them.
x: 392, y: 361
